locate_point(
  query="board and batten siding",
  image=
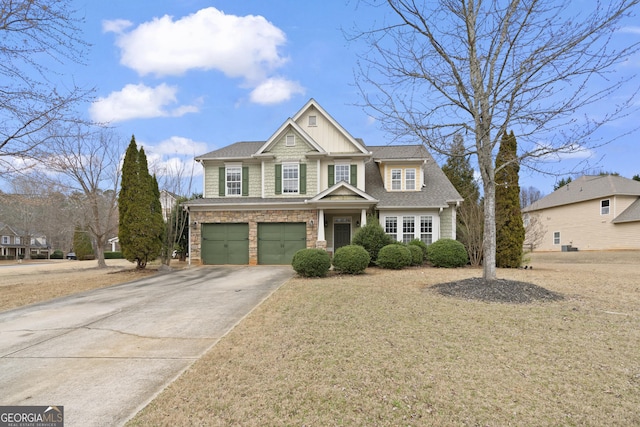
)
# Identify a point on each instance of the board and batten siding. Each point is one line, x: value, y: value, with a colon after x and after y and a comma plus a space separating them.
x: 325, y: 133
x: 582, y: 226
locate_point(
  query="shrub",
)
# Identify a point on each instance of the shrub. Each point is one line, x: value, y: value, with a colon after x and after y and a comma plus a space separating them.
x: 422, y: 245
x: 394, y: 256
x: 447, y: 253
x: 57, y: 254
x: 372, y: 237
x: 311, y: 262
x: 351, y: 259
x: 417, y: 256
x: 113, y: 255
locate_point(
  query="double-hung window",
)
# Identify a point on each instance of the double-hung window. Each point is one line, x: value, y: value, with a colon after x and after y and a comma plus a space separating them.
x: 290, y: 178
x: 408, y: 229
x: 343, y: 173
x: 234, y: 180
x: 426, y: 229
x: 391, y: 227
x: 17, y: 240
x: 5, y: 240
x: 410, y: 179
x: 604, y: 207
x: 396, y: 179
x: 556, y: 237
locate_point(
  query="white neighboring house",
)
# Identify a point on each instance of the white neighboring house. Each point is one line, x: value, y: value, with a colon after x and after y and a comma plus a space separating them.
x: 589, y: 213
x: 168, y: 202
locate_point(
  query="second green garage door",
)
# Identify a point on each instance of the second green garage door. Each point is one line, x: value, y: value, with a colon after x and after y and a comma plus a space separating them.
x: 225, y: 244
x: 277, y: 242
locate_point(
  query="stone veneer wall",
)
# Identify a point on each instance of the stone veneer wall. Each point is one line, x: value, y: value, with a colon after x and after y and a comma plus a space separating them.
x: 253, y: 218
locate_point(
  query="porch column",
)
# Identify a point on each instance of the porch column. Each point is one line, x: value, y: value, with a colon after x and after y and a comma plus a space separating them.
x: 363, y: 218
x: 321, y: 224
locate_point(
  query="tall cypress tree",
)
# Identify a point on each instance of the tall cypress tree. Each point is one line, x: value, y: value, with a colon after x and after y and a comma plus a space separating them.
x: 509, y: 226
x: 141, y: 224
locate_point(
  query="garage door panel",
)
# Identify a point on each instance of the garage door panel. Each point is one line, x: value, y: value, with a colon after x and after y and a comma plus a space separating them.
x: 278, y: 242
x: 225, y: 243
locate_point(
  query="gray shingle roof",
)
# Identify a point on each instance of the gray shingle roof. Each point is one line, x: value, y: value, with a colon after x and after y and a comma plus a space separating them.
x: 631, y: 214
x: 236, y: 150
x: 437, y: 192
x: 585, y: 188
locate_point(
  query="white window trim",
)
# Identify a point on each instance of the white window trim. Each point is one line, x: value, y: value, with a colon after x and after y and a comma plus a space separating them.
x: 602, y: 208
x: 395, y: 180
x: 290, y: 140
x: 289, y: 164
x: 335, y: 172
x: 226, y: 180
x: 6, y: 240
x: 415, y: 179
x: 417, y: 217
x: 313, y: 121
x: 554, y: 237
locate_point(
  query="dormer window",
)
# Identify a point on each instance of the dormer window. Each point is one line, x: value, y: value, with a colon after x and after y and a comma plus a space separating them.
x: 410, y: 179
x: 290, y: 141
x: 313, y: 121
x: 396, y: 179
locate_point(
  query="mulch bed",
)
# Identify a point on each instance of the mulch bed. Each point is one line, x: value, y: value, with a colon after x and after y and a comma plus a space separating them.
x: 500, y: 290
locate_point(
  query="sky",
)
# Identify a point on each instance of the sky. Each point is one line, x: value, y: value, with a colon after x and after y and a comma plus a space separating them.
x: 190, y: 76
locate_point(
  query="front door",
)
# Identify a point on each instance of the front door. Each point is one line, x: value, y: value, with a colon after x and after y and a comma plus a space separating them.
x: 341, y: 235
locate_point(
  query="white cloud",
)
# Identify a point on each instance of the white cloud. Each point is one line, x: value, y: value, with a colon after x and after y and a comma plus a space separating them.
x: 630, y: 29
x: 275, y: 90
x: 115, y: 26
x: 180, y: 145
x: 238, y: 46
x: 138, y: 101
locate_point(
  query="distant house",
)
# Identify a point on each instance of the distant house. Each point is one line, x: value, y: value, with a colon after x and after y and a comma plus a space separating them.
x: 167, y: 202
x: 15, y: 243
x: 589, y: 213
x: 311, y: 184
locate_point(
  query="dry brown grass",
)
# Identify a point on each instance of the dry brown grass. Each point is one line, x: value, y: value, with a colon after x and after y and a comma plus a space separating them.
x: 385, y: 349
x: 37, y: 281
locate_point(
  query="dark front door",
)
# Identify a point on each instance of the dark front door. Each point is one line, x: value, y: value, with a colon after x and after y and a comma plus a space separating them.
x: 341, y: 235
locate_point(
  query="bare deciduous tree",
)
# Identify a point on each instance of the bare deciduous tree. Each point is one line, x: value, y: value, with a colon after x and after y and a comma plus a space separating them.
x: 437, y: 68
x: 36, y: 37
x: 89, y: 160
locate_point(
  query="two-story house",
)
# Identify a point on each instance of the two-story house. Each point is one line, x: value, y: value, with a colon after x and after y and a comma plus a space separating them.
x: 312, y: 184
x: 17, y: 244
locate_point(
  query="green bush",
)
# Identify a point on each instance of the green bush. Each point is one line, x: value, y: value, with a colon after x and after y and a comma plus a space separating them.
x: 57, y: 254
x: 372, y: 237
x: 351, y: 259
x: 38, y: 256
x: 417, y: 256
x: 113, y: 255
x: 311, y: 262
x: 447, y: 253
x: 422, y: 245
x: 394, y: 256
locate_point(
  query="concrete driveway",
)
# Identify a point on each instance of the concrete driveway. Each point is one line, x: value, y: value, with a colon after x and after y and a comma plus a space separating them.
x: 105, y: 354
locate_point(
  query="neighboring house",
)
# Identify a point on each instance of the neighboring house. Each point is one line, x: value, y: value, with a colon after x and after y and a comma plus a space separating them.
x: 312, y: 184
x: 589, y: 213
x: 167, y: 202
x: 15, y: 243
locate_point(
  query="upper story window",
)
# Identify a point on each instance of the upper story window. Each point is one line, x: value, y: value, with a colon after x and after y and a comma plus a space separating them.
x: 17, y: 240
x: 343, y: 172
x: 313, y: 121
x: 410, y: 179
x: 290, y: 178
x: 604, y: 207
x: 6, y: 240
x: 33, y: 241
x: 290, y: 141
x: 396, y: 179
x: 234, y: 181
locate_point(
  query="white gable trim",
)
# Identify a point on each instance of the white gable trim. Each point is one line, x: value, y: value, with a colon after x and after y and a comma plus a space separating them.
x: 281, y: 130
x: 342, y: 185
x: 312, y: 103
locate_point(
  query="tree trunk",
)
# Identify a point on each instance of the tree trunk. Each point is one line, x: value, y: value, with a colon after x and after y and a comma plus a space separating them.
x: 489, y: 241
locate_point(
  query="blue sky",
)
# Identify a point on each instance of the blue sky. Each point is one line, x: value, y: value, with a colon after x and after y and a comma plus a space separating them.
x: 190, y: 76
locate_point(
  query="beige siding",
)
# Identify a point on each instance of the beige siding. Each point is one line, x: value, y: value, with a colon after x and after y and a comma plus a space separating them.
x: 387, y: 167
x: 582, y: 226
x: 325, y: 133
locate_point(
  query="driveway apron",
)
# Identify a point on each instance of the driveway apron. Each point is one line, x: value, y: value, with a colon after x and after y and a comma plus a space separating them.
x: 105, y: 354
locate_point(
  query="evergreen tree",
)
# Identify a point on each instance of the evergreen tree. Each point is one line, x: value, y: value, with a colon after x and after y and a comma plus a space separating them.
x: 509, y: 226
x: 141, y: 224
x: 562, y: 183
x: 636, y: 177
x: 470, y: 220
x: 82, y: 244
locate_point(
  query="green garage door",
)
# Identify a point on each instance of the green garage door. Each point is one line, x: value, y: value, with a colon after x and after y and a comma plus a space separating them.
x: 277, y: 242
x: 225, y: 243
